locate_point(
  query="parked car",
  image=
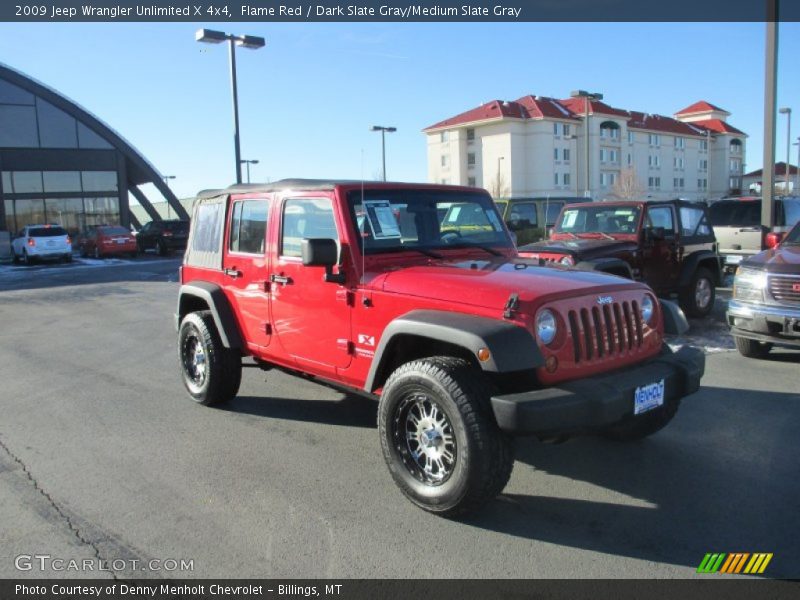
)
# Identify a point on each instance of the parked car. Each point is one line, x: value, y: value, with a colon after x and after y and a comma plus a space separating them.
x: 765, y: 308
x: 107, y: 240
x: 737, y: 224
x: 531, y: 219
x: 41, y: 242
x: 669, y: 245
x: 463, y: 343
x: 163, y: 236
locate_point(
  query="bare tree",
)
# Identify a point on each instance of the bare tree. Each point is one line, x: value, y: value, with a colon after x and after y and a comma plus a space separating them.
x: 499, y: 188
x: 627, y: 186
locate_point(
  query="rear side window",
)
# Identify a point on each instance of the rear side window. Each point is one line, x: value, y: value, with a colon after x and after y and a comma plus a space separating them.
x: 735, y: 213
x: 176, y: 226
x: 248, y: 227
x: 306, y: 218
x: 206, y: 236
x: 661, y: 216
x: 46, y: 232
x: 523, y: 215
x: 791, y: 211
x: 694, y: 222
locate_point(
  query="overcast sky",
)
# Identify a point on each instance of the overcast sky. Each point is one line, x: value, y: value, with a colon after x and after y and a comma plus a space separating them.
x: 309, y: 97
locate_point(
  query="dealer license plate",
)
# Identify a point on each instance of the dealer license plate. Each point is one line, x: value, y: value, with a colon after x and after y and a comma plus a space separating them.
x: 733, y: 259
x: 647, y: 397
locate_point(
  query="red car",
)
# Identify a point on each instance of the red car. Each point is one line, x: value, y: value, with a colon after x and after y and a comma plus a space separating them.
x: 463, y: 343
x: 107, y: 240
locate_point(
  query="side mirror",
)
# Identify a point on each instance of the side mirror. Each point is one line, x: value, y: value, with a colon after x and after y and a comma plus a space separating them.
x: 322, y: 252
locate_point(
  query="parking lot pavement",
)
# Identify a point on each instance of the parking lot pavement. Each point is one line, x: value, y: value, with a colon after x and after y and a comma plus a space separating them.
x: 103, y: 454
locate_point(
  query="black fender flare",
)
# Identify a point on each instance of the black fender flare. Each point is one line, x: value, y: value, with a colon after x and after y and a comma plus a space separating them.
x: 604, y: 265
x: 511, y: 347
x: 221, y: 311
x: 691, y: 262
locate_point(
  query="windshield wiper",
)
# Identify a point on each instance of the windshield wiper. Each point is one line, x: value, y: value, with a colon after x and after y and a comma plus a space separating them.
x: 403, y: 249
x: 487, y: 249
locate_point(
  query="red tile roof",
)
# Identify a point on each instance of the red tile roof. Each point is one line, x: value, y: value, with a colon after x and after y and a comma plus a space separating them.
x: 538, y: 107
x: 718, y: 126
x: 700, y: 107
x: 780, y: 169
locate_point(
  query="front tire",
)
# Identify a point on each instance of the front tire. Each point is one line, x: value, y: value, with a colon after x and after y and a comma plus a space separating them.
x: 697, y: 299
x: 211, y: 373
x: 751, y: 348
x: 439, y: 437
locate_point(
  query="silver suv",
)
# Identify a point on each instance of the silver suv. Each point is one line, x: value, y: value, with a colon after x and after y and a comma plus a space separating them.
x: 737, y: 225
x: 42, y: 242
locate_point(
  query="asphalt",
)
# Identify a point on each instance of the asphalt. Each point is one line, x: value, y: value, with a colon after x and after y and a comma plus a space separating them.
x: 102, y: 454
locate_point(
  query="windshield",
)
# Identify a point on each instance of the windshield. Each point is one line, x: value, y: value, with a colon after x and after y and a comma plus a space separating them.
x: 599, y: 219
x: 741, y: 213
x: 793, y: 237
x: 395, y: 220
x: 47, y: 232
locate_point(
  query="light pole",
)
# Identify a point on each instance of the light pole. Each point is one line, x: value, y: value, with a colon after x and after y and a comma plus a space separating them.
x: 788, y: 112
x: 797, y: 168
x: 166, y: 181
x: 209, y: 36
x: 709, y: 139
x: 587, y: 97
x: 384, y: 131
x: 248, y: 163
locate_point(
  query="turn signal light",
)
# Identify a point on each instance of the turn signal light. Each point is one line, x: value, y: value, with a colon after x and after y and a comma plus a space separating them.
x: 484, y: 354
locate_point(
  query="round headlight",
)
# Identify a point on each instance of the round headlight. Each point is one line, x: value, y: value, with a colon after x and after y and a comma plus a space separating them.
x: 647, y: 309
x: 546, y: 327
x: 567, y: 261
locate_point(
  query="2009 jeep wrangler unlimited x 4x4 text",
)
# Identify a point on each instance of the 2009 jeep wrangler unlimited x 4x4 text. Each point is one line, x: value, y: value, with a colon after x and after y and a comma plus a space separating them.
x: 365, y: 286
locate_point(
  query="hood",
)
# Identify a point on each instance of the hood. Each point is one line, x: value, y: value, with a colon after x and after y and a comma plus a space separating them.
x: 783, y: 259
x: 489, y: 283
x: 583, y: 248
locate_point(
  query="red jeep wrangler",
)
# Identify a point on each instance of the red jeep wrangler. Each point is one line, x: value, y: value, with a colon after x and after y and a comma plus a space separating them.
x: 369, y: 288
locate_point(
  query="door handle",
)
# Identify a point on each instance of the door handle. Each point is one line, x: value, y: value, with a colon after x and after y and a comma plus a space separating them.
x: 282, y: 279
x: 232, y: 273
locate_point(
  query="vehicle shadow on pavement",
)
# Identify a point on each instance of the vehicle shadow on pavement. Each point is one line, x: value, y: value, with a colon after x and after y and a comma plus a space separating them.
x: 349, y: 411
x: 721, y: 478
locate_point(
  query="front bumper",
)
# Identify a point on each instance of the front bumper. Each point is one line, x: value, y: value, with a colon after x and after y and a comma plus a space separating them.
x: 596, y: 402
x: 765, y: 322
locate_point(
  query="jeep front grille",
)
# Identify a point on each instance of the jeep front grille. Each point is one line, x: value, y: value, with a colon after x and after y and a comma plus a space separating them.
x: 605, y: 331
x: 785, y: 288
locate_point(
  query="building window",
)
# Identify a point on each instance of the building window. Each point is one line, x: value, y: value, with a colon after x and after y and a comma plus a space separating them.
x: 444, y: 181
x: 630, y: 137
x: 470, y: 135
x: 565, y: 154
x: 736, y: 146
x: 702, y: 165
x: 608, y: 155
x: 565, y: 129
x: 445, y: 160
x: 555, y: 129
x: 630, y: 159
x: 702, y: 184
x: 680, y: 143
x: 566, y: 179
x: 555, y: 179
x: 677, y: 162
x: 678, y: 183
x: 444, y: 136
x: 555, y: 153
x: 471, y: 181
x: 703, y: 145
x: 654, y: 161
x: 654, y: 183
x: 733, y: 184
x: 607, y: 179
x: 654, y: 139
x: 735, y: 166
x: 470, y: 159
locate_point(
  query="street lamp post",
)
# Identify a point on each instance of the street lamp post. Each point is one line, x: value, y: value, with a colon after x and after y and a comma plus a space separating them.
x: 248, y: 163
x: 788, y: 112
x: 384, y: 131
x: 587, y: 98
x: 797, y: 169
x: 166, y: 181
x: 209, y: 36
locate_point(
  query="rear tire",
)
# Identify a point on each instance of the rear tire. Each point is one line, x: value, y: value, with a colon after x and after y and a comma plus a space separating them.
x: 697, y: 299
x: 211, y: 373
x: 439, y: 437
x: 752, y: 348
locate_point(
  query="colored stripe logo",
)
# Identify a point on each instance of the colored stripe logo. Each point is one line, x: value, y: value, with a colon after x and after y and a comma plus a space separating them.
x: 735, y: 562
